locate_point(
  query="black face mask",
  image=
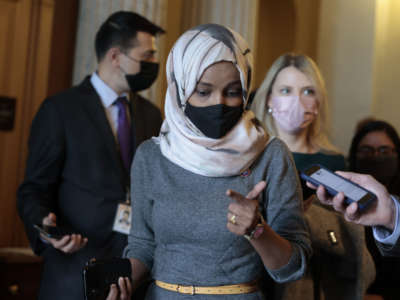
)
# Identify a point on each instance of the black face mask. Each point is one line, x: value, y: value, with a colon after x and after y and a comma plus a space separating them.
x: 145, y: 78
x: 384, y: 169
x: 216, y: 120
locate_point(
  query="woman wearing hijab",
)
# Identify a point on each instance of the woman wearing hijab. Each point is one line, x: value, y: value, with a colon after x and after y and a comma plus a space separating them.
x: 215, y: 200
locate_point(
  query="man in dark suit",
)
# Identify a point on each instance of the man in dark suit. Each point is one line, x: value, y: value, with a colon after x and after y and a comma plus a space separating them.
x: 80, y: 149
x: 383, y: 215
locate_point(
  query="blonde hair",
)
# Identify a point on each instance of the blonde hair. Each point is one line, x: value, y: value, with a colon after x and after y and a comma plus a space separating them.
x: 317, y: 131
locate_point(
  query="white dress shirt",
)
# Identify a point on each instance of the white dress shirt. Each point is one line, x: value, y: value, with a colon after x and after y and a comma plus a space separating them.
x: 108, y: 97
x: 385, y: 236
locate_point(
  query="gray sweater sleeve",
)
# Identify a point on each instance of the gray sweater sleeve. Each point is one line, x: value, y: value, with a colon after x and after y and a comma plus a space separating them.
x: 284, y: 211
x: 141, y: 243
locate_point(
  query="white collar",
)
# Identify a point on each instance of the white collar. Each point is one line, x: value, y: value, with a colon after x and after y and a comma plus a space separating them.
x: 105, y: 92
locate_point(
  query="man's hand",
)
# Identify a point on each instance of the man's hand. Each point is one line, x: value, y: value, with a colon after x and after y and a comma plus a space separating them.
x: 381, y: 212
x: 68, y: 243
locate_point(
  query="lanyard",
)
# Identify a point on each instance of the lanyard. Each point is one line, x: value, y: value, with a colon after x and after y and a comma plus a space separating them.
x: 128, y: 195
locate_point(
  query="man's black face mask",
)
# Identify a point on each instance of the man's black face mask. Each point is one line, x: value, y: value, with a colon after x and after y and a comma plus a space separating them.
x: 145, y: 78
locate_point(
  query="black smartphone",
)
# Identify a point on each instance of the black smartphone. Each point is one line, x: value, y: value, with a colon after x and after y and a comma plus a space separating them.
x: 98, y: 275
x: 52, y: 232
x: 334, y: 183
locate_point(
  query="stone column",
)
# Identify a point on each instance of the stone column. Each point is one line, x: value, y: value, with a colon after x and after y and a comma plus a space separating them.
x: 238, y: 14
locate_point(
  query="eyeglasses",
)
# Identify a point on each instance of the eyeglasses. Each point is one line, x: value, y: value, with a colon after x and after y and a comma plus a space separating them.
x: 368, y: 151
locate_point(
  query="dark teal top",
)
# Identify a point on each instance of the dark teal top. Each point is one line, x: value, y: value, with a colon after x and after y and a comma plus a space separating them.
x: 334, y: 162
x: 330, y: 160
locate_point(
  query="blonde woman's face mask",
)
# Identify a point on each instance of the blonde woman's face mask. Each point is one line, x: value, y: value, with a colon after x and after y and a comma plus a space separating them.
x: 293, y: 101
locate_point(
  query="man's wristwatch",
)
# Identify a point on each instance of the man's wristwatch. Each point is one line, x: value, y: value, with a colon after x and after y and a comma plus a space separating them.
x: 258, y: 230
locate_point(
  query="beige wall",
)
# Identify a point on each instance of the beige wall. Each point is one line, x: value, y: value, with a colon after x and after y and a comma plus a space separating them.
x: 386, y: 99
x: 307, y: 13
x: 358, y: 52
x: 346, y: 58
x: 238, y: 14
x: 284, y: 26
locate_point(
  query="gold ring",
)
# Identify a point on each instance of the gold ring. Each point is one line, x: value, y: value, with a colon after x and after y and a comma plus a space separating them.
x: 233, y: 219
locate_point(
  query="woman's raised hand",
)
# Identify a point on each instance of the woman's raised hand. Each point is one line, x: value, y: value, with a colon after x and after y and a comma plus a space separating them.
x: 243, y: 213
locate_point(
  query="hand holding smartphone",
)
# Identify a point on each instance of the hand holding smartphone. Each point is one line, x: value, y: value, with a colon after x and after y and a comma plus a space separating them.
x: 52, y: 232
x: 99, y: 275
x: 59, y: 237
x: 333, y: 183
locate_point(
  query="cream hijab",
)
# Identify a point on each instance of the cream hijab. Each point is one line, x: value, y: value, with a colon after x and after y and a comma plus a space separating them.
x: 180, y: 141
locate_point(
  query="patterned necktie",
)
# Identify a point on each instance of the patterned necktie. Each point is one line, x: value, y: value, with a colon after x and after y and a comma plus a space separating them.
x: 124, y: 132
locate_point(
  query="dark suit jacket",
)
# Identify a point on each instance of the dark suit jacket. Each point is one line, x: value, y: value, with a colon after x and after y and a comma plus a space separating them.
x: 390, y: 250
x: 74, y: 169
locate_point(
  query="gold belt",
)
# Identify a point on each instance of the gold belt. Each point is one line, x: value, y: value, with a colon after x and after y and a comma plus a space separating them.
x: 242, y: 288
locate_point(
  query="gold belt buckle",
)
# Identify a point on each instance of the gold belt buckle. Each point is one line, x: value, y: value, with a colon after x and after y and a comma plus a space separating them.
x: 192, y: 292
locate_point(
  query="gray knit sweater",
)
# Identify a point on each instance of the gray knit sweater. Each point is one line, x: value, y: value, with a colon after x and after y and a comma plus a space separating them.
x: 179, y: 222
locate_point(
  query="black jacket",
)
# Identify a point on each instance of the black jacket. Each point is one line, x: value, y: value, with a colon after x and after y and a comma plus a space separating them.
x: 74, y: 169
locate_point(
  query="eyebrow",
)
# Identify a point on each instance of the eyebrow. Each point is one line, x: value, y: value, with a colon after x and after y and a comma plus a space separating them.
x: 207, y: 84
x: 303, y: 87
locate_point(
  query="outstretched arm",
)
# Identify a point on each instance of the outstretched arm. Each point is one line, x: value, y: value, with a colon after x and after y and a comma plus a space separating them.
x: 384, y: 214
x: 380, y: 213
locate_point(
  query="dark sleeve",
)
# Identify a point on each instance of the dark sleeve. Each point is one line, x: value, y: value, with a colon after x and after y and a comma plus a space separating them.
x: 37, y: 195
x: 148, y: 120
x: 153, y: 117
x: 389, y: 250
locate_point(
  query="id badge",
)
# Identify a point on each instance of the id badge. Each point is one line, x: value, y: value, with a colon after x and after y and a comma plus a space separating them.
x: 122, y: 221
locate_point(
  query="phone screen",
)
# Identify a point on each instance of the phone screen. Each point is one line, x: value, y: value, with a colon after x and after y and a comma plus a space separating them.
x: 51, y: 231
x: 339, y: 184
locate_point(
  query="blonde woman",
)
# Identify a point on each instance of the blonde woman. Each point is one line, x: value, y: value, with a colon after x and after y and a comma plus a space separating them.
x: 292, y: 104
